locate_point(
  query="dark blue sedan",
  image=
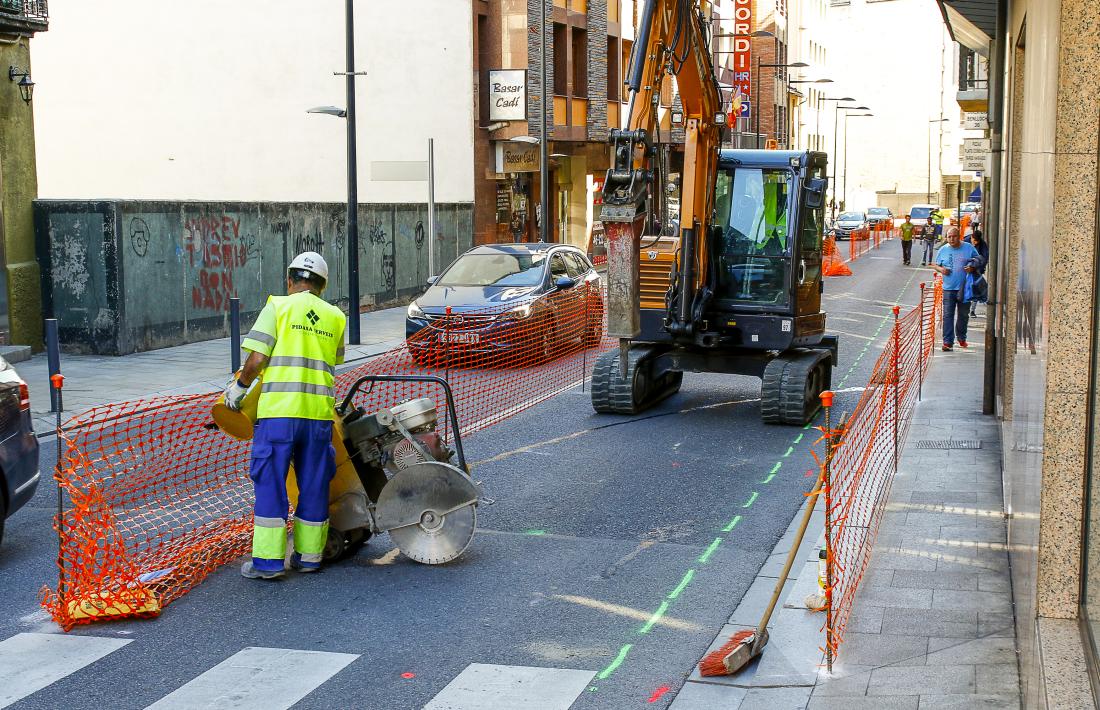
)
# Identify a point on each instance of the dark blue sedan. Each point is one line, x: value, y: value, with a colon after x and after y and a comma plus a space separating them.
x: 18, y: 445
x: 530, y: 301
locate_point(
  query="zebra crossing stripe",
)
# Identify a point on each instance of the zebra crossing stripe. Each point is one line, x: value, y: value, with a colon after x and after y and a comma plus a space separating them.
x: 484, y: 686
x: 257, y: 678
x: 30, y: 662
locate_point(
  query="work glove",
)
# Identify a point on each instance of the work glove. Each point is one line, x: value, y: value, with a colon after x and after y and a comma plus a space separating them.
x: 235, y: 393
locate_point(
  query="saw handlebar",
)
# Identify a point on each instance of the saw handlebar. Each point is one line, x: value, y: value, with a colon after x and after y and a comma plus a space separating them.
x: 452, y: 413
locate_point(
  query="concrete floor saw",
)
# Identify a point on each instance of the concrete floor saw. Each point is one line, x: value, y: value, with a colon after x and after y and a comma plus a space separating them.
x: 394, y: 473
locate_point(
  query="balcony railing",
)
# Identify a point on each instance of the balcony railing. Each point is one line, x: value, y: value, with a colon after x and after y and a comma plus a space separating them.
x: 30, y: 13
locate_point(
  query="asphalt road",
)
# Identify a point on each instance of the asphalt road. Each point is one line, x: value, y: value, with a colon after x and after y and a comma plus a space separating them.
x: 616, y: 545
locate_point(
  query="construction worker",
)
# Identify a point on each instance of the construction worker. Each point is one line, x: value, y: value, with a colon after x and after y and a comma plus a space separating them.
x: 937, y: 221
x: 296, y: 343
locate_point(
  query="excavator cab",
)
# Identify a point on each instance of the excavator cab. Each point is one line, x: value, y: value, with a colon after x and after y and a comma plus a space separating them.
x: 756, y: 309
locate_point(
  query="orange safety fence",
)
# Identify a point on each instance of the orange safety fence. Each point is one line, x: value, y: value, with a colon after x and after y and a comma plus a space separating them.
x: 831, y: 263
x: 864, y: 457
x: 158, y: 497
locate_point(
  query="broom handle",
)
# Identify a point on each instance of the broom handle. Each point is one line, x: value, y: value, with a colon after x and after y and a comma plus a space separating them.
x: 794, y: 549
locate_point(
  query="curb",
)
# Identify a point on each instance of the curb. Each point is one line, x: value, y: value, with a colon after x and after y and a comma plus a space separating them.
x: 784, y: 675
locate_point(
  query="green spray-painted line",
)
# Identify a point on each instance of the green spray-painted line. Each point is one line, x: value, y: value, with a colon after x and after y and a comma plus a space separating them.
x: 682, y: 585
x: 751, y: 500
x: 710, y: 550
x: 790, y: 450
x: 808, y: 425
x: 800, y: 435
x: 654, y: 619
x: 779, y: 464
x: 768, y: 478
x: 616, y: 663
x: 732, y: 524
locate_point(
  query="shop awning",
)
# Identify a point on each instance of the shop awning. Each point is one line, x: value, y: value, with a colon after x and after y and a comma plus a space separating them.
x: 972, y: 23
x: 975, y: 195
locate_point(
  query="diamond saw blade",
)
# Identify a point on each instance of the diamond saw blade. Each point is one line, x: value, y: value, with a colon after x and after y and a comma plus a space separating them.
x: 437, y: 539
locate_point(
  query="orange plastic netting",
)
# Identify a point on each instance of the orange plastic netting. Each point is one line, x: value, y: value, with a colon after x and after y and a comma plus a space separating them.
x: 865, y: 456
x: 158, y: 497
x: 831, y: 263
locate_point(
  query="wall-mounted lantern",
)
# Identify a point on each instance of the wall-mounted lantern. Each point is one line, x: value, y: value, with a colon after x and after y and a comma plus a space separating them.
x: 26, y: 86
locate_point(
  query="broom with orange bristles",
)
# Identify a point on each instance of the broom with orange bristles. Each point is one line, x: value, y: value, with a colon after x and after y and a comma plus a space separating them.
x: 747, y: 644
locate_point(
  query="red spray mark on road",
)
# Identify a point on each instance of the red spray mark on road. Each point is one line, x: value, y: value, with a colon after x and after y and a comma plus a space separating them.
x: 407, y: 676
x: 658, y: 693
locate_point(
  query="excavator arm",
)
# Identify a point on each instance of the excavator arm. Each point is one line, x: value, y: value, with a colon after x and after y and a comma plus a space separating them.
x: 671, y: 41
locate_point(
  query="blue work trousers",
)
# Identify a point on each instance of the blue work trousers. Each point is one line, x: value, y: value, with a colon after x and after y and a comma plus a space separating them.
x: 926, y: 255
x: 278, y: 442
x: 956, y: 316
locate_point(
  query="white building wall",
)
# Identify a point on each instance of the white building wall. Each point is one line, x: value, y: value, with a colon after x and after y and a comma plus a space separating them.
x: 207, y: 99
x: 894, y: 56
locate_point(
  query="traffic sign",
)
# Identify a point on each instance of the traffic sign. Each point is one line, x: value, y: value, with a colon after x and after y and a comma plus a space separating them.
x: 746, y: 108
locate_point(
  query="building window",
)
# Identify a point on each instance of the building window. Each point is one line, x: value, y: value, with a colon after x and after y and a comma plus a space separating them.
x: 580, y: 63
x: 561, y: 60
x: 613, y: 80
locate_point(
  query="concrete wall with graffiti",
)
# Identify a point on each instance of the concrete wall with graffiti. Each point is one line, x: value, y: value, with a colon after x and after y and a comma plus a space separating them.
x: 128, y: 276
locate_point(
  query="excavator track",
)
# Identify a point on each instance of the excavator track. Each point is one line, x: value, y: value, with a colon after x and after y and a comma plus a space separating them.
x: 792, y: 385
x: 611, y: 394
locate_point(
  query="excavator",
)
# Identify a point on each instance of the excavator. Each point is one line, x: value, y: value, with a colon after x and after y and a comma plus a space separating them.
x: 736, y: 288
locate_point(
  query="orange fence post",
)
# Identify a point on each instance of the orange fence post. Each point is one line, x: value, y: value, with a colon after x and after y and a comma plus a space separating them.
x: 827, y: 403
x: 58, y: 381
x: 920, y: 352
x: 897, y: 381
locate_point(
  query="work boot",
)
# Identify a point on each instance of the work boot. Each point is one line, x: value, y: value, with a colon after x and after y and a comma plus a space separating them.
x: 299, y: 566
x: 963, y: 344
x: 249, y: 571
x: 946, y: 347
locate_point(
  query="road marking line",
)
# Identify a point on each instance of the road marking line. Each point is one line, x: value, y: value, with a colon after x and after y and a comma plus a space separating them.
x: 751, y: 500
x: 33, y: 661
x: 769, y: 478
x: 481, y: 686
x: 614, y: 664
x: 625, y: 611
x: 682, y: 585
x: 710, y: 550
x: 732, y: 524
x: 648, y: 626
x: 799, y: 439
x: 260, y: 678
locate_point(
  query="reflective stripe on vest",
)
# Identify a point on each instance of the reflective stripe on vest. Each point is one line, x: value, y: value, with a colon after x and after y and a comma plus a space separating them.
x: 299, y: 380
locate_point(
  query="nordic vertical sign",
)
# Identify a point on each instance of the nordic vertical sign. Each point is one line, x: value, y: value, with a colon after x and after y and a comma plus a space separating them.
x: 507, y: 94
x: 742, y: 47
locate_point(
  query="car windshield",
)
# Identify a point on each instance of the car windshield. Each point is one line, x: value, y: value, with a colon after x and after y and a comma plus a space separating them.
x: 499, y: 269
x: 850, y: 216
x: 752, y: 207
x: 878, y: 210
x: 920, y: 212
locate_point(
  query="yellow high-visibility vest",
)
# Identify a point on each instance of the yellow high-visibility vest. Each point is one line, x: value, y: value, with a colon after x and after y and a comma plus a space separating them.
x: 303, y: 336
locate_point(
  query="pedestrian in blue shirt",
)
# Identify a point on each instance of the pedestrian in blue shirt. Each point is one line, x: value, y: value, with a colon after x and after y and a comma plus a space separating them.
x: 953, y: 262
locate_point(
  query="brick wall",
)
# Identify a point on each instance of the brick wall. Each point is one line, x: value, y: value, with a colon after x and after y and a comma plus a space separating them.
x: 597, y: 70
x: 534, y: 65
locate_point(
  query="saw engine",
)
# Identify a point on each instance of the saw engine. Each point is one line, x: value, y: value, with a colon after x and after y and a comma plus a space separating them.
x: 410, y: 487
x: 396, y: 438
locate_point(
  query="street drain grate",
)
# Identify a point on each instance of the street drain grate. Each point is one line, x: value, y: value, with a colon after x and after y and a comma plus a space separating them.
x: 949, y: 444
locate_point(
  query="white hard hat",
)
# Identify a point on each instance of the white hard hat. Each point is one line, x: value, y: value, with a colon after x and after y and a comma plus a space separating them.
x: 312, y: 262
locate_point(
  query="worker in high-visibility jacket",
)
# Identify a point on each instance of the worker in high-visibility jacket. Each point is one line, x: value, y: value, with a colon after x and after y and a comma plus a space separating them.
x: 296, y: 342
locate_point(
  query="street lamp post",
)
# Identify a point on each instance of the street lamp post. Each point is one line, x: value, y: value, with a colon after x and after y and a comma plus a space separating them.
x: 544, y: 178
x: 844, y: 194
x: 821, y: 100
x: 353, y: 172
x: 759, y: 66
x: 836, y: 121
x: 809, y: 81
x: 928, y: 195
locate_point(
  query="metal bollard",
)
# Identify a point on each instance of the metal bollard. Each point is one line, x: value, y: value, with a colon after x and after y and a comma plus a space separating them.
x: 235, y: 333
x: 53, y: 360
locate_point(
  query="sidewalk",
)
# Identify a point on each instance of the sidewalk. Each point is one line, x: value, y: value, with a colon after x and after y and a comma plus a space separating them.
x: 91, y: 380
x: 932, y: 625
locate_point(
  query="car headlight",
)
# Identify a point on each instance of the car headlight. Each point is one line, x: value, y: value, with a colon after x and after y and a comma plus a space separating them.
x: 415, y: 312
x: 519, y: 312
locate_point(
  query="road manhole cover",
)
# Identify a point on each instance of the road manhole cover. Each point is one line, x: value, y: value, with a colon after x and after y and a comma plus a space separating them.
x: 949, y: 444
